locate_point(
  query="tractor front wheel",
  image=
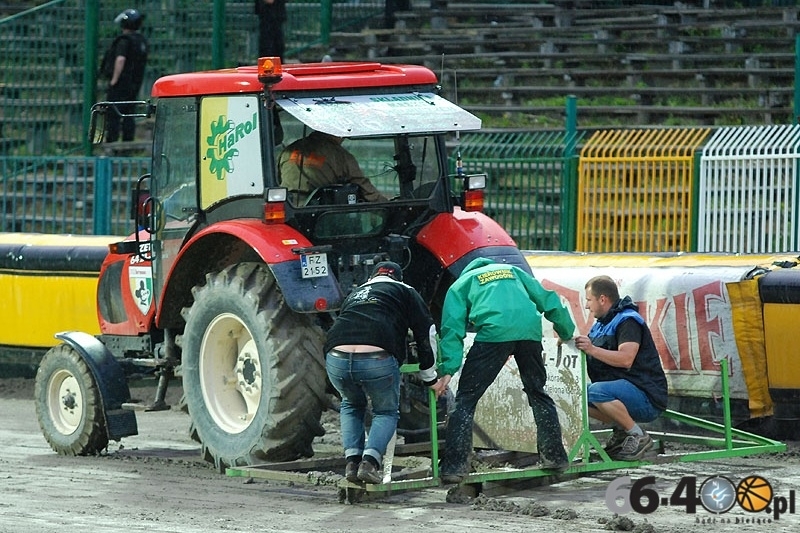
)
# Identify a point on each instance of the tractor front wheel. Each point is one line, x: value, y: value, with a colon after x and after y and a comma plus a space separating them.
x: 68, y: 404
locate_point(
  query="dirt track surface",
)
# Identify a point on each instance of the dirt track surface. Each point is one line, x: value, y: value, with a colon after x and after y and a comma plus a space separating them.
x: 156, y: 482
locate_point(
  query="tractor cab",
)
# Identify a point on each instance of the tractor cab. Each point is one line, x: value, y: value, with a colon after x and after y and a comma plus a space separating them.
x: 401, y: 155
x: 225, y: 144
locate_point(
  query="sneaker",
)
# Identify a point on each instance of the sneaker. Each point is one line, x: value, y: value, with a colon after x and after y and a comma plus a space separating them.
x: 351, y: 471
x: 556, y: 466
x: 633, y: 448
x: 369, y: 474
x: 614, y: 442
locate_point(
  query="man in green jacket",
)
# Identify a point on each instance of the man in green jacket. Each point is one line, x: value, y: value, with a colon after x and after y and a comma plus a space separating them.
x: 503, y: 305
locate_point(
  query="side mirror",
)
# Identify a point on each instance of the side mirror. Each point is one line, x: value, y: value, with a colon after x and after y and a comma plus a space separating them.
x: 140, y: 207
x: 101, y: 110
x: 97, y: 126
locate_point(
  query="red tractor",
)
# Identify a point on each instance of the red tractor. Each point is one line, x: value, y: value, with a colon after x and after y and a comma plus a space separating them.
x: 229, y: 281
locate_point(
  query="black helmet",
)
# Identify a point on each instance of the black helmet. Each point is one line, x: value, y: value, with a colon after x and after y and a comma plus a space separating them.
x: 388, y: 268
x: 130, y: 19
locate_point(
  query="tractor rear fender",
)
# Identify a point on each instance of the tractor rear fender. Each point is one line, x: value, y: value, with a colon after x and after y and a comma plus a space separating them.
x: 111, y: 382
x: 458, y: 238
x: 245, y: 240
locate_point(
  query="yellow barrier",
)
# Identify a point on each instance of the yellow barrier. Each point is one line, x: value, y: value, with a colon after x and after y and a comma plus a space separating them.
x: 635, y: 190
x: 48, y: 284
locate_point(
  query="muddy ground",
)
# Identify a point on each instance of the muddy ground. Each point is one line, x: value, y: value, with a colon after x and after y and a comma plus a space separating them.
x: 156, y: 482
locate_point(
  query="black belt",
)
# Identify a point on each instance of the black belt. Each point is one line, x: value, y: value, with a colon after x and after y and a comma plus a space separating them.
x: 378, y: 354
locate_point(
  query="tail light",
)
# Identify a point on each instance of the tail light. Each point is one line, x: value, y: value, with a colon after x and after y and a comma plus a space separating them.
x: 473, y: 192
x: 275, y: 206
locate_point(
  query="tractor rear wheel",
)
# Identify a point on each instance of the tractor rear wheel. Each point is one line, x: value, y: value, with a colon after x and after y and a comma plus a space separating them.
x: 253, y: 370
x: 68, y: 404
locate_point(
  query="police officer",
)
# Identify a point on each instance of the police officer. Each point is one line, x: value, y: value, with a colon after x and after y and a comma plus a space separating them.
x: 129, y: 53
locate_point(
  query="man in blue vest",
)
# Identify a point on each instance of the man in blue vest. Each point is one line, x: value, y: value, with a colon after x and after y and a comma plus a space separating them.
x: 628, y: 385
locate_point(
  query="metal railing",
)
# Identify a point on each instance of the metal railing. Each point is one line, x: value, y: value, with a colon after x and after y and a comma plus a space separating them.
x: 748, y: 190
x: 635, y: 190
x: 735, y: 190
x: 68, y: 195
x: 48, y: 81
x: 529, y: 180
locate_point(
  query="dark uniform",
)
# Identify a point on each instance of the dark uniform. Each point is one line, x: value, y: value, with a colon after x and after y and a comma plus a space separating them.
x: 132, y: 45
x: 271, y: 16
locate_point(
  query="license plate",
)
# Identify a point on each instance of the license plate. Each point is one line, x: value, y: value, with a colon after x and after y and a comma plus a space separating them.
x: 314, y: 265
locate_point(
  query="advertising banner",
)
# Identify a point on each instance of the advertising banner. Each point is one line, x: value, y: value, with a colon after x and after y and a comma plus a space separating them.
x: 685, y: 303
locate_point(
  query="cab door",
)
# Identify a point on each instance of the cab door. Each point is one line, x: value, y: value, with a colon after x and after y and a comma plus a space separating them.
x: 173, y: 182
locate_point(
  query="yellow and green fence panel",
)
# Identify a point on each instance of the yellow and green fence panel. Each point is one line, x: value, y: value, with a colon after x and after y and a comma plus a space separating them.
x: 635, y: 190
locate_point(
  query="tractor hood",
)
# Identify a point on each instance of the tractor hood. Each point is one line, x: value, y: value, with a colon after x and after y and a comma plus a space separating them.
x: 380, y: 114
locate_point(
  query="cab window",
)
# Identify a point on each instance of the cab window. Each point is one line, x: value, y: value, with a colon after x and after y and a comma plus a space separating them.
x: 398, y: 166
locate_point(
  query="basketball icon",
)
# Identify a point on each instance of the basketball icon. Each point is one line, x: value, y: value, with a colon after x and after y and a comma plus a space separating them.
x: 754, y: 494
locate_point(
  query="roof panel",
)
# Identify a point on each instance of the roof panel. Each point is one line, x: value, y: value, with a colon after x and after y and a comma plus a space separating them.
x: 384, y: 114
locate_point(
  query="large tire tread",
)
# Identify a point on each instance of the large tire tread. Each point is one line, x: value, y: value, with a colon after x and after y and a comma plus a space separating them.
x: 294, y: 371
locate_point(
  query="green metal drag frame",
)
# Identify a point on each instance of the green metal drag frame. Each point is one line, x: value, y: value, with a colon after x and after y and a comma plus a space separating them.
x: 585, y: 456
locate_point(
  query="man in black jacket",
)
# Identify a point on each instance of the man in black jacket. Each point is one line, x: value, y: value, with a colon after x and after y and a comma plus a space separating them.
x: 365, y: 347
x: 129, y: 60
x: 628, y: 384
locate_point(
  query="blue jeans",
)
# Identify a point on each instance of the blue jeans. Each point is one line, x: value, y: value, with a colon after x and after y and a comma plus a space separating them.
x: 483, y: 363
x: 632, y: 397
x: 357, y: 380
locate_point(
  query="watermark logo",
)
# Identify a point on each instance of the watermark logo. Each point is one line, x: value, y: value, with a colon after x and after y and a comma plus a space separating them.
x: 754, y: 494
x: 716, y: 495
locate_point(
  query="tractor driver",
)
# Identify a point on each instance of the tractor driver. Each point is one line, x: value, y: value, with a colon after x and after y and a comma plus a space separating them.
x: 317, y: 160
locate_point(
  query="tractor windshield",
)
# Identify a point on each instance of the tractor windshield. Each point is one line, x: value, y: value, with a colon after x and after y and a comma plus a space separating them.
x: 390, y: 146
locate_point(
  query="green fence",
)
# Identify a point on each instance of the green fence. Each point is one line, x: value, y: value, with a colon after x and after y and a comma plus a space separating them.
x: 544, y: 192
x: 48, y: 80
x: 530, y: 183
x: 68, y: 195
x: 530, y: 186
